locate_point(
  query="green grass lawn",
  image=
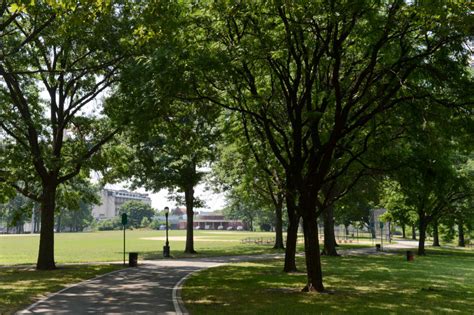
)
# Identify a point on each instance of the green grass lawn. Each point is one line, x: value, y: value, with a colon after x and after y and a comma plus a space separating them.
x: 441, y: 282
x: 20, y: 287
x: 108, y: 245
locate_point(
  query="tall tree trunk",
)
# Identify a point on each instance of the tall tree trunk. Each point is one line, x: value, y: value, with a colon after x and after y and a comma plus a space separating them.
x: 413, y: 232
x: 189, y: 198
x: 46, y: 246
x: 291, y: 241
x: 461, y: 241
x: 313, y: 258
x: 404, y: 235
x: 435, y: 234
x: 279, y: 225
x: 329, y: 236
x: 422, y: 237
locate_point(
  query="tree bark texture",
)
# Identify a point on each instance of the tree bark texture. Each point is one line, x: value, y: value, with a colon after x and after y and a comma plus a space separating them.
x: 435, y: 234
x: 46, y: 246
x: 461, y: 241
x: 422, y: 237
x: 189, y: 198
x: 291, y: 241
x: 279, y: 226
x: 313, y: 259
x: 329, y: 236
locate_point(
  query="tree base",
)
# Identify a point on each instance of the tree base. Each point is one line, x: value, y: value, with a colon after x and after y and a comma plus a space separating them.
x: 332, y: 254
x: 192, y: 251
x: 46, y: 267
x: 290, y: 270
x: 311, y: 288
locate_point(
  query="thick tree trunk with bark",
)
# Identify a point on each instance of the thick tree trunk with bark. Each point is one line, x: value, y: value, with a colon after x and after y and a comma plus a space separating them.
x: 461, y: 241
x: 313, y: 259
x: 329, y: 236
x: 404, y: 235
x: 189, y: 198
x: 413, y: 232
x: 279, y: 225
x: 422, y: 237
x: 435, y: 234
x: 46, y: 246
x: 291, y: 240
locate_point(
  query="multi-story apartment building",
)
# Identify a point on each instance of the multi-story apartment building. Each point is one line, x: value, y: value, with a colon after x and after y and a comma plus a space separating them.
x: 112, y: 200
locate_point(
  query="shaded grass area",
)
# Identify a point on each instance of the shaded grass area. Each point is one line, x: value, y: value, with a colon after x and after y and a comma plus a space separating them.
x: 20, y: 287
x: 108, y: 245
x: 441, y: 282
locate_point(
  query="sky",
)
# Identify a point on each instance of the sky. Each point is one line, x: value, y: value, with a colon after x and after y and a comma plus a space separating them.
x: 214, y: 201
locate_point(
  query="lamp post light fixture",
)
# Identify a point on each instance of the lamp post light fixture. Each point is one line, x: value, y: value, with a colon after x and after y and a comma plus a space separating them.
x: 166, y: 248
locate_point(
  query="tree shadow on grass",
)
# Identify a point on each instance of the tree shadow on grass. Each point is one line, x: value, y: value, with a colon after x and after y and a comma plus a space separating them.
x: 361, y: 284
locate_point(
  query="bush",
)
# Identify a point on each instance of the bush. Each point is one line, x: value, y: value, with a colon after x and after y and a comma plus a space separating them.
x: 145, y: 222
x: 110, y: 224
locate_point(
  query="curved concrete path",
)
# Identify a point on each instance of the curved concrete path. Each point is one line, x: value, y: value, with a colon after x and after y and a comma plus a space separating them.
x: 152, y: 288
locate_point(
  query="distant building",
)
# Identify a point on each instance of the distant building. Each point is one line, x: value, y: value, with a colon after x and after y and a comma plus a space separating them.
x: 112, y: 200
x: 213, y: 221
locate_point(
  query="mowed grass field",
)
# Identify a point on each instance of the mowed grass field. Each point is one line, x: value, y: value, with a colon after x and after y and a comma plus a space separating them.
x: 22, y: 285
x: 108, y: 245
x: 440, y: 283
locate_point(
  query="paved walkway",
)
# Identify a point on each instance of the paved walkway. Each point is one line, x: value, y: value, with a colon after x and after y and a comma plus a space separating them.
x: 152, y: 288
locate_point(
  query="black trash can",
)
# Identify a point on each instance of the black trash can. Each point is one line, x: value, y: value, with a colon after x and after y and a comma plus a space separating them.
x: 132, y: 259
x: 410, y: 256
x: 377, y: 247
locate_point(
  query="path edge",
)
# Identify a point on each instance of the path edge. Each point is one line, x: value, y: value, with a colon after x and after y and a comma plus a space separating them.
x: 27, y: 310
x: 176, y: 294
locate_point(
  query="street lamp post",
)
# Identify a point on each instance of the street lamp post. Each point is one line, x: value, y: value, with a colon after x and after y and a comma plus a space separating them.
x: 166, y: 248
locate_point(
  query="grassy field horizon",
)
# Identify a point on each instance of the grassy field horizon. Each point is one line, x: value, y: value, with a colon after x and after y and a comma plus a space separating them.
x: 108, y: 245
x: 103, y: 246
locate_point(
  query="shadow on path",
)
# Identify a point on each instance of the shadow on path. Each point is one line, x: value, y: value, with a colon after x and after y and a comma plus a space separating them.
x: 147, y: 289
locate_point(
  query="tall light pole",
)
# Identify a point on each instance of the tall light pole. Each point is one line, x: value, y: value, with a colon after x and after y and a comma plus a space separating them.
x: 166, y: 248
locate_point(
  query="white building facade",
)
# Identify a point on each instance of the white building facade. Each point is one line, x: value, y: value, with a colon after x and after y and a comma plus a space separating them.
x: 112, y: 200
